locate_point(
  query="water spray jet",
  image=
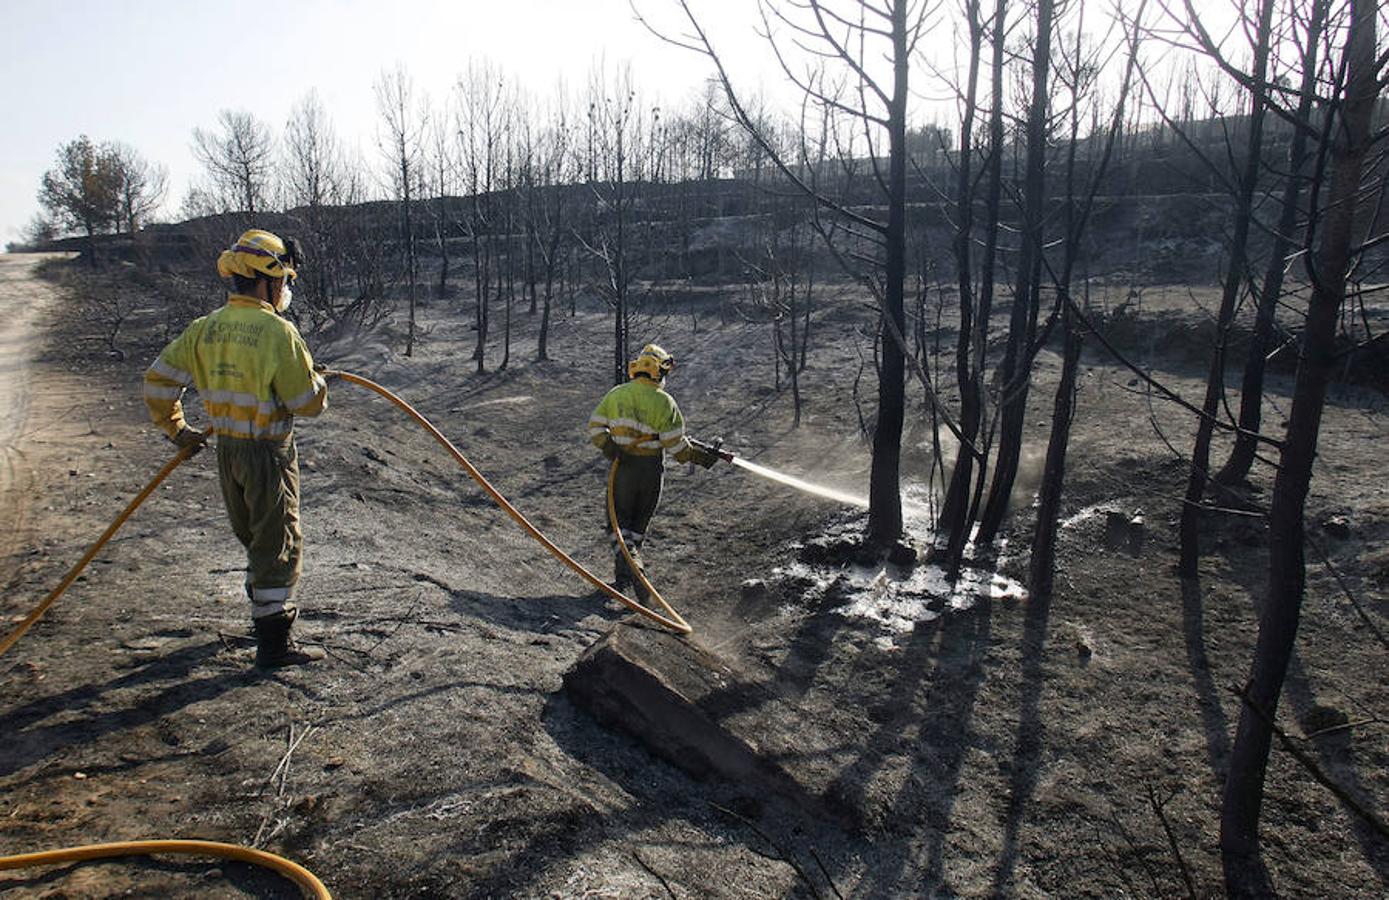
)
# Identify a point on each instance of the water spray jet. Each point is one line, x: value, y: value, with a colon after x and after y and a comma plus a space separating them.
x: 800, y: 484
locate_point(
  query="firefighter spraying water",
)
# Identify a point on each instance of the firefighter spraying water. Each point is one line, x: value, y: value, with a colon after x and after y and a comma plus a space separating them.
x: 635, y: 425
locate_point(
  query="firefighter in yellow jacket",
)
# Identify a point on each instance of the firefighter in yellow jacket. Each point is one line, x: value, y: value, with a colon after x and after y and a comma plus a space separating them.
x: 254, y: 374
x: 636, y: 423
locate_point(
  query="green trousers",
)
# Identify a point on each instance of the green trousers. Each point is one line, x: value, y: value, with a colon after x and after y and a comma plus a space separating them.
x: 636, y: 494
x: 260, y: 485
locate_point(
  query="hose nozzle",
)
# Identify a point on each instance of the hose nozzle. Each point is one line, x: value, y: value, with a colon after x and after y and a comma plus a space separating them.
x: 712, y: 450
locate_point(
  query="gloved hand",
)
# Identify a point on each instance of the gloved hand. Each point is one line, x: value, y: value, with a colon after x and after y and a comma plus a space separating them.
x: 698, y: 453
x: 703, y: 456
x: 328, y: 375
x: 190, y: 437
x: 611, y: 450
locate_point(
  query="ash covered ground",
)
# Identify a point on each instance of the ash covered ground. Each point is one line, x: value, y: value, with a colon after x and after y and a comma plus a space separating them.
x: 979, y: 742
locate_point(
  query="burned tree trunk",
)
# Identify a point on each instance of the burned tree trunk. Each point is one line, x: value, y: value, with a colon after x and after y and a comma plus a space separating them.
x: 1016, y: 370
x: 953, y: 520
x: 1198, y: 475
x: 1077, y: 76
x: 884, y: 486
x: 1237, y: 467
x: 960, y: 501
x: 1244, y: 785
x: 1041, y: 565
x: 879, y: 110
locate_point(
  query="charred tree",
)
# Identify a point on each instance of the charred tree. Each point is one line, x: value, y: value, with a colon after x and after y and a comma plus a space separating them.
x: 976, y: 301
x: 506, y: 287
x: 316, y: 182
x: 615, y: 148
x: 140, y: 188
x: 1350, y: 144
x: 1015, y: 373
x: 1242, y: 456
x: 849, y: 38
x: 884, y: 483
x: 238, y: 159
x: 781, y: 287
x: 395, y: 98
x: 481, y: 97
x: 442, y: 170
x: 1198, y: 474
x: 1078, y: 74
x: 551, y: 224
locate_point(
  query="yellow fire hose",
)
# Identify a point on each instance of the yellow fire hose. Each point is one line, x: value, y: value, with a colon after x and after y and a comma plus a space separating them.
x: 293, y: 871
x: 672, y: 619
x: 71, y: 576
x: 296, y: 873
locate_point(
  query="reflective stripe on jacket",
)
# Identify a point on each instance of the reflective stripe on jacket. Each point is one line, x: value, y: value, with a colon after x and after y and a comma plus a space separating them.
x: 250, y: 366
x: 640, y: 417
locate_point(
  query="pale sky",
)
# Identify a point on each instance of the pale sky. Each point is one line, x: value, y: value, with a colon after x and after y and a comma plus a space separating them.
x: 147, y: 73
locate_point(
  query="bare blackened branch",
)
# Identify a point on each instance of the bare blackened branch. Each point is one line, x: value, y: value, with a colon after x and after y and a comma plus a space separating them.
x: 745, y: 120
x: 1311, y: 766
x: 1345, y: 589
x: 781, y: 854
x: 1159, y: 810
x: 1157, y: 385
x: 848, y: 58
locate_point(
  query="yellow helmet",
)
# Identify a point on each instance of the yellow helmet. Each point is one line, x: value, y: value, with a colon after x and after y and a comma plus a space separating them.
x: 653, y: 362
x: 259, y: 252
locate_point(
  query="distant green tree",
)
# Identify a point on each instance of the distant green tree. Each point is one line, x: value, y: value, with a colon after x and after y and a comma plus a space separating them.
x: 82, y: 192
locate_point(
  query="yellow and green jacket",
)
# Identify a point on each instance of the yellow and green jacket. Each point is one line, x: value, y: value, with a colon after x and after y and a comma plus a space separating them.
x: 249, y: 365
x: 641, y: 418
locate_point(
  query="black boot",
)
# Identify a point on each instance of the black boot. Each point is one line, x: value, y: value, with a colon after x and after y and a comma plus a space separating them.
x: 274, y: 646
x: 622, y: 575
x: 635, y: 575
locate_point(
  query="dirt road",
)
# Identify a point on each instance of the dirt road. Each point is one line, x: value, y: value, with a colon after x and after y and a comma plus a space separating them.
x: 24, y: 300
x: 21, y: 299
